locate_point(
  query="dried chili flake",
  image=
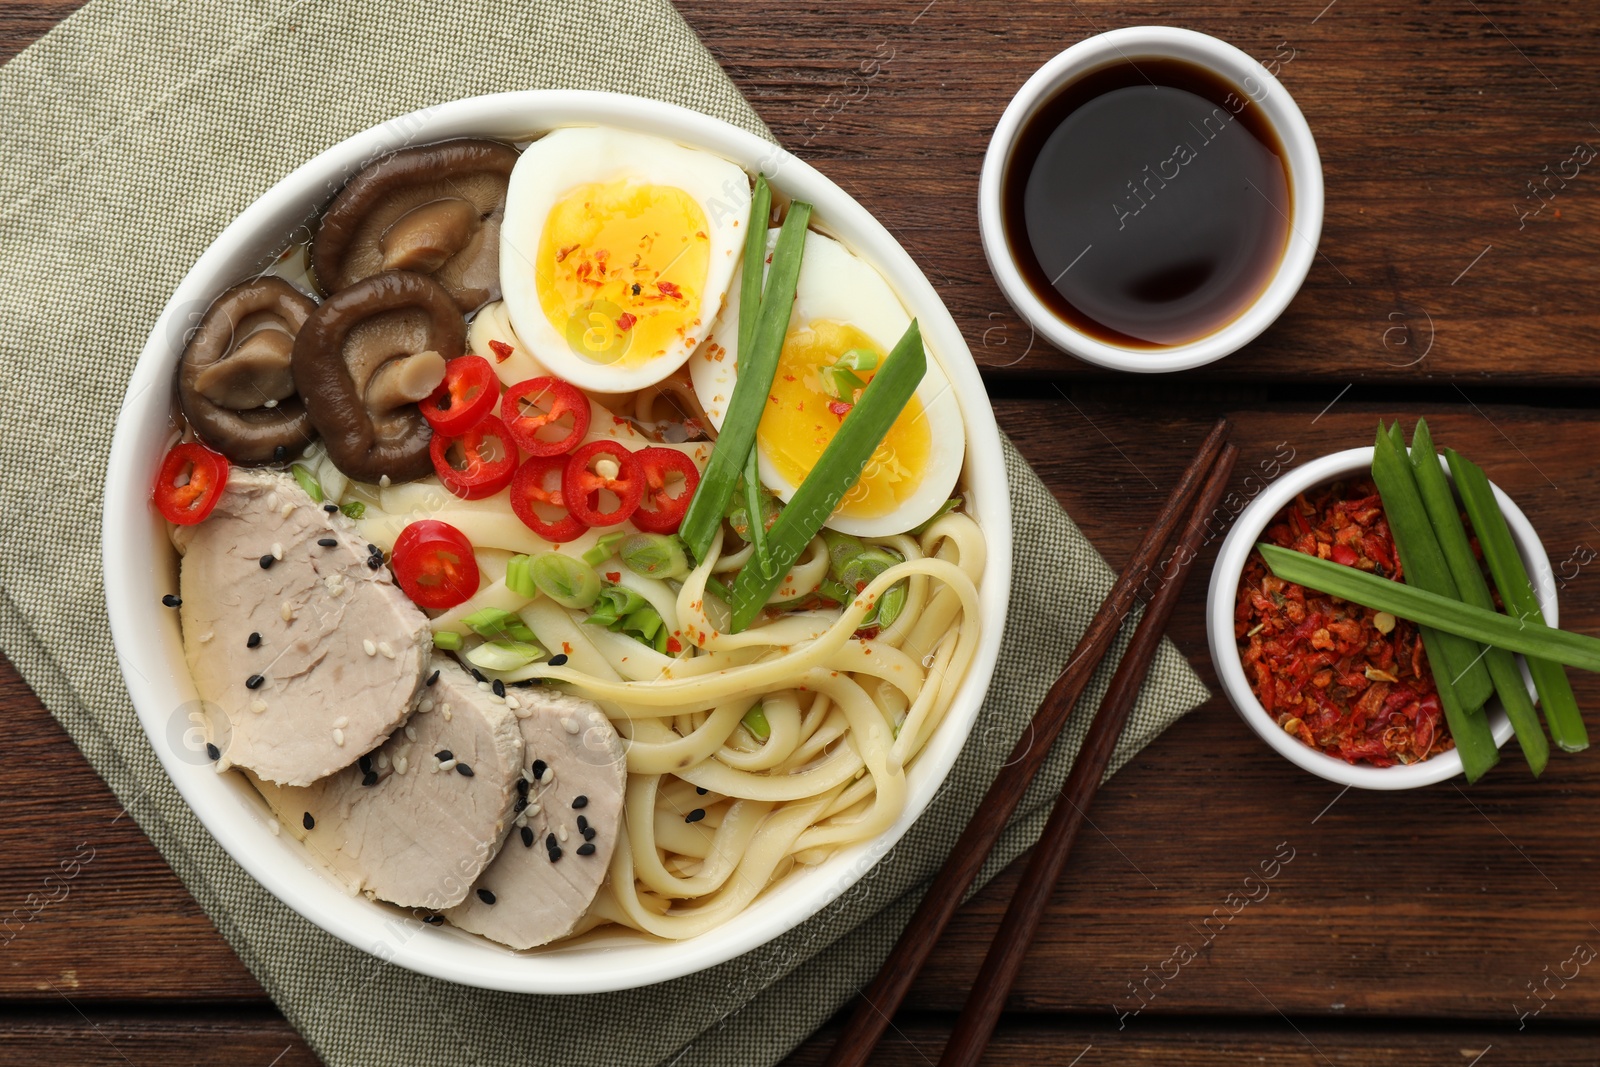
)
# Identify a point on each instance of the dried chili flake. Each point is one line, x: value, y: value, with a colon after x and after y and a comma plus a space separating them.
x: 625, y: 321
x: 501, y: 350
x: 669, y: 289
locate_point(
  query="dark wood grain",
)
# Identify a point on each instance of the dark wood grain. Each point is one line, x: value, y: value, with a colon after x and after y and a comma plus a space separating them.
x: 1406, y: 929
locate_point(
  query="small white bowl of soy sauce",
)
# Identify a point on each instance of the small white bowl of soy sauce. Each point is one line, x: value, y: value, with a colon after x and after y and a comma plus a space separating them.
x: 1151, y: 199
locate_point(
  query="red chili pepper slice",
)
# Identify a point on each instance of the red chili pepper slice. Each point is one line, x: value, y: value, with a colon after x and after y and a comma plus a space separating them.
x: 660, y: 511
x: 530, y: 406
x: 466, y: 395
x: 190, y: 483
x: 582, y: 485
x: 434, y: 564
x: 537, y: 484
x: 488, y: 459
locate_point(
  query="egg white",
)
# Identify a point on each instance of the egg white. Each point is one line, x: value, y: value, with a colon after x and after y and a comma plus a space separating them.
x: 837, y: 285
x: 555, y: 164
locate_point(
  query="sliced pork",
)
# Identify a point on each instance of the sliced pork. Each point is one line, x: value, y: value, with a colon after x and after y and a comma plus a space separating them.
x: 293, y: 626
x: 418, y: 820
x: 542, y: 882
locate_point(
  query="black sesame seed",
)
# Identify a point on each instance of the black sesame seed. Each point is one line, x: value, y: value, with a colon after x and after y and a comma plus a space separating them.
x: 580, y: 801
x: 635, y: 289
x: 255, y: 681
x: 554, y: 854
x: 365, y: 763
x: 171, y: 601
x: 373, y: 563
x: 373, y: 550
x: 588, y: 833
x: 267, y: 561
x: 463, y: 770
x: 522, y: 787
x: 551, y: 843
x: 280, y: 453
x: 586, y: 849
x: 370, y: 778
x: 308, y: 822
x: 253, y: 641
x: 539, y: 766
x: 583, y: 823
x: 702, y: 792
x: 330, y: 508
x: 695, y: 816
x: 434, y: 677
x: 477, y: 674
x: 213, y: 751
x: 520, y: 805
x: 527, y: 837
x: 499, y: 688
x: 434, y: 920
x: 444, y: 754
x: 328, y: 542
x: 558, y: 660
x: 486, y: 896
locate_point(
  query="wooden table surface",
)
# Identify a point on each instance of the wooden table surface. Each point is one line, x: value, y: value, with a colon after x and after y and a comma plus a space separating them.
x: 1446, y: 926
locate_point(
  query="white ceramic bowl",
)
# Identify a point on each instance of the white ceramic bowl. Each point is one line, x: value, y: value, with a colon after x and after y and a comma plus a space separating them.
x: 1305, y: 179
x: 140, y: 565
x: 1354, y: 462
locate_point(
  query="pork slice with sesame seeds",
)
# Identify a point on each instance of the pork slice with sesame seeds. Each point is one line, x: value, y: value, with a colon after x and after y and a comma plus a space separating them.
x: 307, y: 651
x: 416, y: 838
x: 543, y: 891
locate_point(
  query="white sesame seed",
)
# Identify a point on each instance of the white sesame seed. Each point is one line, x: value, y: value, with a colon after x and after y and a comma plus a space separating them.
x: 434, y: 764
x: 272, y: 499
x: 521, y: 712
x: 285, y: 511
x: 401, y: 764
x: 272, y: 824
x: 522, y: 819
x: 447, y: 765
x: 287, y: 611
x: 341, y: 722
x: 207, y: 636
x: 597, y: 718
x: 383, y: 481
x: 548, y: 776
x: 269, y: 403
x: 512, y: 702
x: 383, y: 761
x: 258, y: 706
x: 484, y: 686
x: 386, y: 649
x: 369, y: 648
x: 277, y: 550
x: 561, y: 833
x: 444, y: 709
x: 493, y: 699
x: 424, y: 706
x: 411, y: 733
x: 338, y: 738
x: 534, y: 809
x: 570, y: 725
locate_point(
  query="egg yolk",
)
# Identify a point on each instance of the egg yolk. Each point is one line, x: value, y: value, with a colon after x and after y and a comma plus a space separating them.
x: 800, y: 419
x: 621, y: 270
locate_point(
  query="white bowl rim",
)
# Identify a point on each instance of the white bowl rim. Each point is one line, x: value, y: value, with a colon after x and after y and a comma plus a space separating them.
x: 1305, y: 170
x: 158, y: 683
x: 1220, y: 600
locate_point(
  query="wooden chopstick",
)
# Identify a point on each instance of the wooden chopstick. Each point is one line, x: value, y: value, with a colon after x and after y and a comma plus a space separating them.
x: 1011, y: 941
x: 879, y: 1001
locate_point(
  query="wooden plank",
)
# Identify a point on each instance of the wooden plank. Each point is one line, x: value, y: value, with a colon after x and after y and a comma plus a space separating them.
x: 91, y: 1036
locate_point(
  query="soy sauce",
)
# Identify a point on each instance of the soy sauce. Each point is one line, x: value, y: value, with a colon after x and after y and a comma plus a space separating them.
x: 1147, y: 203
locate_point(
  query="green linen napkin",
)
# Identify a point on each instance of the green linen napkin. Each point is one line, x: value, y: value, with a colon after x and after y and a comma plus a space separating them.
x: 131, y: 135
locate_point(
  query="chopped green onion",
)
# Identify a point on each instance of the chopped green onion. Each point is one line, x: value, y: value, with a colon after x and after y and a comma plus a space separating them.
x: 852, y: 566
x: 757, y: 365
x: 1511, y: 579
x: 603, y: 549
x: 835, y: 472
x: 626, y: 612
x: 1524, y: 634
x: 1464, y: 567
x: 944, y: 509
x: 858, y: 359
x: 716, y: 587
x: 651, y: 555
x: 519, y: 577
x: 504, y: 655
x: 496, y: 623
x: 308, y: 481
x: 448, y: 640
x: 353, y: 509
x: 1424, y: 565
x: 755, y: 720
x: 614, y: 604
x: 841, y: 383
x: 569, y: 582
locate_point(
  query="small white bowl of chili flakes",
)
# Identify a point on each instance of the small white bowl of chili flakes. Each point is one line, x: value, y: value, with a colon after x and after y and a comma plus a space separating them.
x: 1343, y: 691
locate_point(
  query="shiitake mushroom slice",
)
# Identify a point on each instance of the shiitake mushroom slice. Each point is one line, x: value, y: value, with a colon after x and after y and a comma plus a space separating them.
x: 361, y: 362
x: 432, y: 210
x: 235, y: 383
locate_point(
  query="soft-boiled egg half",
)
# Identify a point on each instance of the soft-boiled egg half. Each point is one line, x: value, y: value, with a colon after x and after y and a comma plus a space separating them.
x: 841, y: 305
x: 617, y: 251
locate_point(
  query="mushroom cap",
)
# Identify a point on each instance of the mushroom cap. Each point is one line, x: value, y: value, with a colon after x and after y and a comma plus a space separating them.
x: 343, y: 369
x: 431, y: 210
x: 234, y: 380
